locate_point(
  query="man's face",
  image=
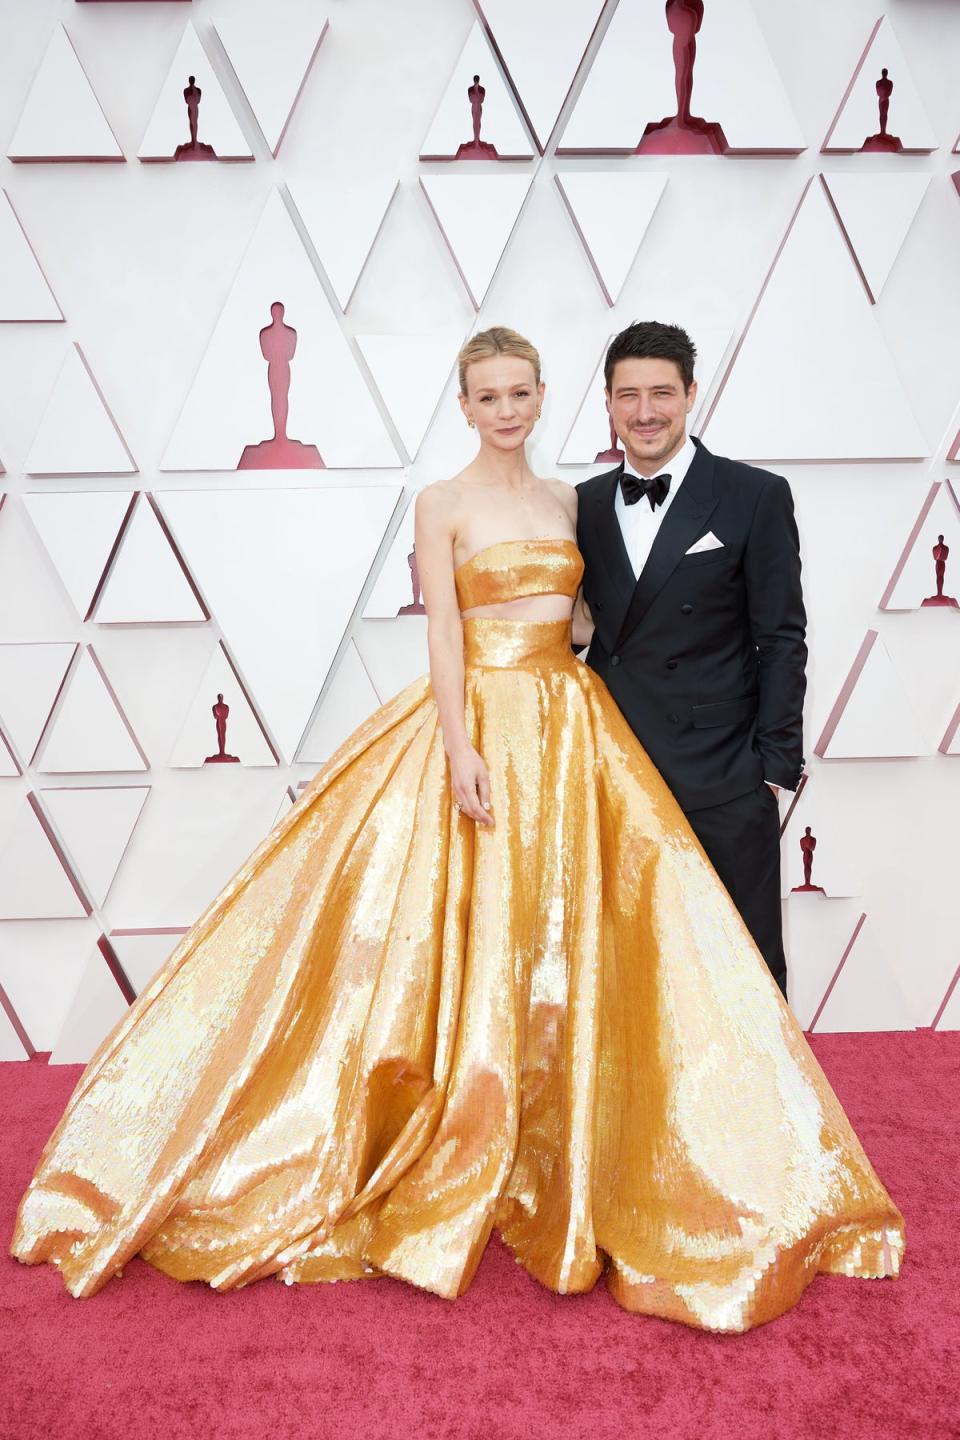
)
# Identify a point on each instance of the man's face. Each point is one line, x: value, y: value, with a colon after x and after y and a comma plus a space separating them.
x: 649, y: 407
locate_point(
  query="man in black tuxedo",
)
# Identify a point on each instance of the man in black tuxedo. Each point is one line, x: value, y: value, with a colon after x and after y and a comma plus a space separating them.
x: 692, y: 580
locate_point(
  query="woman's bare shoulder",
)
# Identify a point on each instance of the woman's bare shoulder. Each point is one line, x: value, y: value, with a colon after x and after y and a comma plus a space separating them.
x: 438, y: 508
x: 566, y: 494
x: 439, y: 497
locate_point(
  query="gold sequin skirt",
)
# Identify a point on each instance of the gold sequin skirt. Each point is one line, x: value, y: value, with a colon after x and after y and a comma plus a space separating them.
x: 394, y: 1030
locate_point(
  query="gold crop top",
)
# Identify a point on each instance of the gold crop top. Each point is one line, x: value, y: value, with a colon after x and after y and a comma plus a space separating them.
x: 512, y: 569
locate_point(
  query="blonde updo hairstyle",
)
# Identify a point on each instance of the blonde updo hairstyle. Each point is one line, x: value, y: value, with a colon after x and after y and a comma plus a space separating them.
x: 498, y: 340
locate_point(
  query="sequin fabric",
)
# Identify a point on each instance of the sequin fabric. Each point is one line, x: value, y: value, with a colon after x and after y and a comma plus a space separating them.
x: 393, y: 1031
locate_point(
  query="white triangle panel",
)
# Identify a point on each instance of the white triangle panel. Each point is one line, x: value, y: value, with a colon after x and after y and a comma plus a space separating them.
x: 24, y: 291
x: 865, y: 993
x: 834, y: 866
x: 30, y: 680
x: 146, y: 583
x: 88, y: 731
x: 77, y: 434
x: 541, y: 45
x: 33, y: 882
x: 271, y: 50
x: 142, y: 954
x: 392, y: 360
x: 914, y: 579
x: 948, y: 1017
x: 590, y: 433
x: 611, y: 212
x: 476, y: 215
x: 816, y: 933
x: 96, y: 1007
x: 40, y: 965
x: 229, y: 405
x: 813, y: 295
x: 244, y: 738
x: 453, y: 128
x: 155, y: 671
x: 169, y: 125
x: 62, y: 118
x: 287, y: 801
x: 79, y: 531
x: 217, y: 823
x: 737, y: 85
x: 873, y: 717
x: 950, y: 744
x: 876, y: 211
x: 11, y: 1046
x: 396, y: 592
x: 95, y: 826
x: 284, y: 631
x: 343, y: 222
x: 859, y: 115
x: 631, y: 83
x: 394, y: 655
x: 9, y: 768
x: 29, y: 587
x: 348, y: 701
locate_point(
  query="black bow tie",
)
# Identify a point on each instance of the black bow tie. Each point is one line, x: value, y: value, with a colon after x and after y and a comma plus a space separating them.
x: 634, y: 486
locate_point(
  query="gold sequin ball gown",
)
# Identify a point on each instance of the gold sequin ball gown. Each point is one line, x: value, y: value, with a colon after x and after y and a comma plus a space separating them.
x: 394, y: 1031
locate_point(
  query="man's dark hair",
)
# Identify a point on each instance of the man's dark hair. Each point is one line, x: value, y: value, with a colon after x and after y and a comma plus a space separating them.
x: 649, y: 340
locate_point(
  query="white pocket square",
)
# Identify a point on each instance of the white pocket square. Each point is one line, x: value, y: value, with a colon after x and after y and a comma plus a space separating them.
x: 706, y: 542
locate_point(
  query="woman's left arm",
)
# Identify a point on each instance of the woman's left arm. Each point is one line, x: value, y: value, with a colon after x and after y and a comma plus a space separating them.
x: 582, y: 623
x: 582, y: 629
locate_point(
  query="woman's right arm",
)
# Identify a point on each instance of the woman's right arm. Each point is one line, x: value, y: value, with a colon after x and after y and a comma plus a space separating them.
x: 433, y: 543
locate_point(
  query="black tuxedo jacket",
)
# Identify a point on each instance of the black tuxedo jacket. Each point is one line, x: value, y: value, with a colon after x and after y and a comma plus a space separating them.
x: 704, y: 653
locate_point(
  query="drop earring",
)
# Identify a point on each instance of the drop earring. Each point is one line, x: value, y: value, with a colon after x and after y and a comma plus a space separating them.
x: 471, y: 422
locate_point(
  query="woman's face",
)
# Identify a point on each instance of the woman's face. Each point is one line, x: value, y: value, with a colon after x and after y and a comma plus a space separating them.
x: 502, y: 400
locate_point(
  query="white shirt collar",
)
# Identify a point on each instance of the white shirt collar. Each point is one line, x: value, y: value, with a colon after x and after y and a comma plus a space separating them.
x: 675, y: 468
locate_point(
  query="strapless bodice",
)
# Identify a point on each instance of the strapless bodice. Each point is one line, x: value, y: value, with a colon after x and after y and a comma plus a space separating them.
x: 512, y: 569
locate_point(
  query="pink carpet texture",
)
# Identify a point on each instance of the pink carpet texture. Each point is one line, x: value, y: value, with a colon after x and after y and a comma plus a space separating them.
x: 151, y: 1359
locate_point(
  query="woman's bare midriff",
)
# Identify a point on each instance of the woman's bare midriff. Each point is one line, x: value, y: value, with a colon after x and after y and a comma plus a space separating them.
x: 527, y: 607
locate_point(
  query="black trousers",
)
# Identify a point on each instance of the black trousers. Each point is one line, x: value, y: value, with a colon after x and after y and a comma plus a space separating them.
x: 742, y: 841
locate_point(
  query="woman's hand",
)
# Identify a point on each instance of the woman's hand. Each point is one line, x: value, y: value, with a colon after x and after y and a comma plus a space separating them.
x: 471, y: 784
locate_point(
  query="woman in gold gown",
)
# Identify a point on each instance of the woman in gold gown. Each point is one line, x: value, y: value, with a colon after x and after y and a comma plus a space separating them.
x: 481, y: 975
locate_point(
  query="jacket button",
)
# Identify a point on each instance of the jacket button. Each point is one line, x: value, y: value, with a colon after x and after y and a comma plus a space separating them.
x: 595, y: 604
x: 686, y: 609
x: 671, y: 664
x: 674, y: 719
x: 614, y: 659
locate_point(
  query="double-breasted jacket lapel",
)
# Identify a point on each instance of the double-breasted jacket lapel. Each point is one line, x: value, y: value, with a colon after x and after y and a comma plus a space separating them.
x: 683, y: 522
x: 608, y: 544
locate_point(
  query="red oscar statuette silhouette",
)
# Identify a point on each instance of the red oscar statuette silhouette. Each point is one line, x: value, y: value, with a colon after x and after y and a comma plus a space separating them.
x: 940, y: 555
x: 220, y: 712
x: 418, y: 607
x: 683, y: 133
x: 614, y: 454
x: 476, y: 149
x: 196, y: 149
x: 882, y: 141
x: 278, y: 343
x: 808, y: 843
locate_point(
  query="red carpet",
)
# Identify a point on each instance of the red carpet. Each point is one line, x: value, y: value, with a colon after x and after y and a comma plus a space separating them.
x: 862, y: 1360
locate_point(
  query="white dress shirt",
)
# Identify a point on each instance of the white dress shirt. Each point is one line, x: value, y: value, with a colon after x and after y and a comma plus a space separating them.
x: 638, y: 523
